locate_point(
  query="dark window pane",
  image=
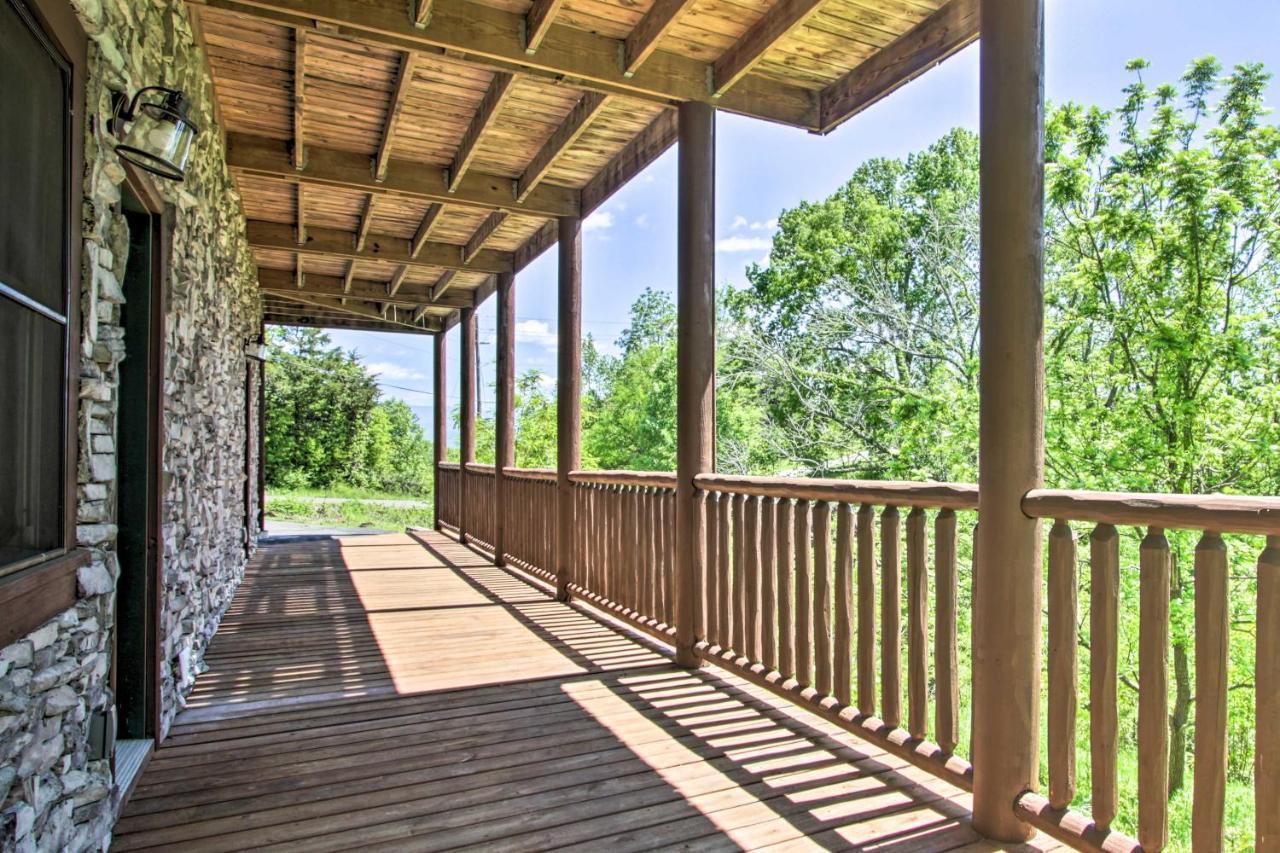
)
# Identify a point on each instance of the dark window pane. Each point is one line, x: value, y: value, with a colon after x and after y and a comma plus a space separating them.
x: 33, y: 163
x: 31, y: 433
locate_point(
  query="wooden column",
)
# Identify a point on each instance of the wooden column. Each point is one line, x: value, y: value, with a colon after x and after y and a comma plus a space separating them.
x: 695, y: 359
x: 467, y: 414
x: 568, y: 394
x: 1006, y: 662
x: 440, y: 439
x: 504, y: 425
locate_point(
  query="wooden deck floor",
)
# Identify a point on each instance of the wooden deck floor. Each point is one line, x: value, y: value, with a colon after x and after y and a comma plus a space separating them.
x: 376, y: 692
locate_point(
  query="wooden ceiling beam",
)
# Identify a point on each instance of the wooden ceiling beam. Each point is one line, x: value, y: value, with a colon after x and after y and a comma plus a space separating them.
x: 490, y: 104
x: 939, y: 36
x: 440, y: 289
x: 423, y: 234
x: 538, y: 23
x: 495, y: 38
x: 643, y: 39
x: 326, y: 167
x: 739, y: 59
x: 275, y: 281
x: 354, y: 308
x: 366, y: 220
x: 312, y: 319
x: 397, y: 280
x: 347, y: 280
x: 421, y: 12
x: 574, y: 125
x: 340, y: 245
x: 482, y: 234
x: 299, y: 97
x: 301, y: 215
x: 403, y: 82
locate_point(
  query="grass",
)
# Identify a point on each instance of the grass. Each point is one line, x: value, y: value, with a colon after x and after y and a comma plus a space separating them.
x: 351, y: 492
x: 349, y: 512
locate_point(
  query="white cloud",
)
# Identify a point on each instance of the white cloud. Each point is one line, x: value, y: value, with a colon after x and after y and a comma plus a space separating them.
x: 601, y: 220
x: 642, y: 221
x: 769, y: 225
x: 394, y: 372
x: 738, y: 222
x: 744, y: 244
x: 535, y: 332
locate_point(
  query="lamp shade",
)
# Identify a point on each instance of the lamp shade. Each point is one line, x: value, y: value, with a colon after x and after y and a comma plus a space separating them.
x: 160, y: 134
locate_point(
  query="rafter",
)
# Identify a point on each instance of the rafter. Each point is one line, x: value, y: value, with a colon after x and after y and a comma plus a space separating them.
x: 340, y: 245
x: 301, y: 215
x: 420, y: 312
x: 574, y: 125
x: 482, y: 234
x: 538, y: 23
x: 421, y: 12
x: 326, y: 167
x: 423, y: 234
x: 397, y: 280
x: 354, y: 308
x: 273, y: 281
x: 366, y: 219
x: 299, y: 96
x: 644, y: 37
x: 311, y: 320
x: 942, y: 34
x: 495, y: 38
x: 347, y: 280
x: 441, y: 287
x: 496, y: 95
x: 780, y: 20
x: 403, y: 82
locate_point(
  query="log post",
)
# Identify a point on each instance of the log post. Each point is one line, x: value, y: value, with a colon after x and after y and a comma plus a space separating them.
x: 467, y: 414
x: 695, y: 358
x: 1006, y: 663
x: 504, y: 456
x: 440, y: 437
x: 568, y: 394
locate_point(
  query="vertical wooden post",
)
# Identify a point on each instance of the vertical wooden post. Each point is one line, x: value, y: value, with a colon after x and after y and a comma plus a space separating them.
x: 1006, y: 667
x: 695, y: 356
x: 568, y: 394
x: 467, y: 414
x: 504, y: 456
x: 440, y: 439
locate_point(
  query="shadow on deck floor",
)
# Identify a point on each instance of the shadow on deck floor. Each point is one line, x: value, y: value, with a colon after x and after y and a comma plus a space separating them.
x: 373, y: 692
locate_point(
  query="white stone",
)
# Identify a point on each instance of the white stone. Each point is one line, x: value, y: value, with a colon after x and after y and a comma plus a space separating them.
x: 24, y: 820
x: 44, y: 635
x: 95, y: 534
x: 20, y: 653
x: 94, y: 579
x: 60, y: 700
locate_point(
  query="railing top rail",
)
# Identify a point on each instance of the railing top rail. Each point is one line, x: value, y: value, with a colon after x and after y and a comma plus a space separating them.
x: 1218, y: 513
x: 479, y: 468
x: 529, y: 473
x: 885, y: 492
x: 448, y: 466
x: 647, y: 479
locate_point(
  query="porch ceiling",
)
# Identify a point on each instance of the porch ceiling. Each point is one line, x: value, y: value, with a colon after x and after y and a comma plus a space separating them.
x: 392, y: 159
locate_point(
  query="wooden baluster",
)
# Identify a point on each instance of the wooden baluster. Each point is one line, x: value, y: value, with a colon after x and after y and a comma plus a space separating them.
x: 723, y: 568
x: 945, y: 654
x: 1153, y: 698
x: 635, y: 495
x: 890, y: 618
x: 712, y: 563
x: 844, y: 605
x: 866, y: 610
x: 1212, y: 627
x: 786, y: 626
x: 1063, y: 676
x: 668, y: 558
x: 917, y: 624
x: 768, y: 586
x: 739, y: 571
x: 751, y: 542
x: 1266, y: 766
x: 702, y: 571
x: 1104, y: 608
x: 804, y: 586
x: 615, y: 571
x: 822, y: 596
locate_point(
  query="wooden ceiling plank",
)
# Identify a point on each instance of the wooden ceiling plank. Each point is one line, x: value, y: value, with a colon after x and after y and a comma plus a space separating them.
x: 776, y: 24
x: 494, y: 38
x: 340, y: 245
x: 273, y: 281
x: 644, y: 37
x: 326, y: 167
x: 482, y: 234
x: 944, y: 33
x: 299, y: 97
x: 496, y: 95
x: 423, y: 234
x: 537, y: 23
x: 403, y: 83
x: 579, y: 118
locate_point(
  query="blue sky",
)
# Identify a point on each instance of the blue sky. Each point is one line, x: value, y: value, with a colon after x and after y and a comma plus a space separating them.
x: 629, y: 243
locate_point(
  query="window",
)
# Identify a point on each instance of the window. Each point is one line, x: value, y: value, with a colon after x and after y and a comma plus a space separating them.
x: 39, y: 234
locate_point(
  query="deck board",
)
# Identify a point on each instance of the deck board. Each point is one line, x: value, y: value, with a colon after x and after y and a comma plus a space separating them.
x: 374, y: 692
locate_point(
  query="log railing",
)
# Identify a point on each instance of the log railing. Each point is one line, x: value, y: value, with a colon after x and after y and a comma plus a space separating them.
x: 818, y: 590
x: 448, y: 483
x: 1211, y: 517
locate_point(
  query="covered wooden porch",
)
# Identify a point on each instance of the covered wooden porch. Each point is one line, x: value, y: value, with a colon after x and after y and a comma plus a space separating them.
x: 403, y: 692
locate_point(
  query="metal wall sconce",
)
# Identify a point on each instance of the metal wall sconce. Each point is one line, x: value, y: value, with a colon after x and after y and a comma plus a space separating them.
x: 160, y: 132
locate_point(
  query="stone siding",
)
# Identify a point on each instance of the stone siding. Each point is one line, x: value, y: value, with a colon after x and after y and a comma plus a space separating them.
x: 52, y: 797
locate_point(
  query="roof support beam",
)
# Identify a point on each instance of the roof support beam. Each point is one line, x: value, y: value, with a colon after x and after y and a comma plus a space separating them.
x: 366, y: 219
x: 423, y: 233
x: 280, y: 316
x: 495, y: 38
x: 403, y: 82
x: 421, y: 12
x: 328, y: 243
x: 748, y: 50
x: 357, y: 309
x: 574, y: 125
x: 441, y: 286
x: 327, y: 167
x: 644, y: 37
x: 397, y: 280
x: 490, y: 104
x: 937, y: 37
x: 482, y: 235
x: 538, y: 23
x: 299, y: 96
x: 274, y: 281
x: 347, y: 280
x: 301, y: 215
